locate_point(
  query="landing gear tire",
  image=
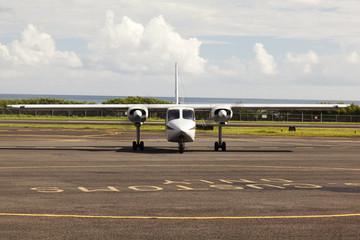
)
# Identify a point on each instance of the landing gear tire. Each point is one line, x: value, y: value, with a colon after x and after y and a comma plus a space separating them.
x: 220, y: 145
x: 223, y: 146
x: 216, y: 147
x: 181, y: 148
x: 136, y: 146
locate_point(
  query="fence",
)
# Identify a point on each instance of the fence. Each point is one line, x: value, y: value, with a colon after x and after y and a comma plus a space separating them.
x: 290, y: 117
x: 283, y: 117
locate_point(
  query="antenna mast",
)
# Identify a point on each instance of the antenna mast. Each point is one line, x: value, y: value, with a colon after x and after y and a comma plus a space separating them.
x: 176, y: 85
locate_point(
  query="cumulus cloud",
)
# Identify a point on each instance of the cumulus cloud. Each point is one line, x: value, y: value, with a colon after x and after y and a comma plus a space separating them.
x: 36, y: 48
x: 264, y: 60
x: 353, y: 58
x: 306, y: 60
x: 130, y: 46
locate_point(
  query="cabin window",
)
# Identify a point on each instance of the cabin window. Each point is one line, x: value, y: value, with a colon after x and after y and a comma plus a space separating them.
x: 173, y: 114
x: 188, y: 114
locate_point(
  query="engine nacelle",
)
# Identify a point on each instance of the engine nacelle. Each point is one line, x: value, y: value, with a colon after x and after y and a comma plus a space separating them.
x: 137, y: 114
x: 221, y: 115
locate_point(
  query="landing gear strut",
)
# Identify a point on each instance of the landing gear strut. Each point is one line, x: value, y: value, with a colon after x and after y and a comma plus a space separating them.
x: 220, y: 144
x: 181, y: 145
x: 138, y: 144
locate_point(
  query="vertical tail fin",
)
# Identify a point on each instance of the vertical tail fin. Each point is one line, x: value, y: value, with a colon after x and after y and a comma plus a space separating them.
x: 176, y: 85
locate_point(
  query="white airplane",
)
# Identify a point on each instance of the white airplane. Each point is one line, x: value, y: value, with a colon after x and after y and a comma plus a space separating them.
x: 180, y: 118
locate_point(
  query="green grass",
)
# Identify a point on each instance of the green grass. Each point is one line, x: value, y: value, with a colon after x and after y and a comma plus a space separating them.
x: 301, y: 132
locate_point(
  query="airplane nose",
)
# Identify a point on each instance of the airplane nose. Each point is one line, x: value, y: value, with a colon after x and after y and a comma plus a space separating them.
x: 181, y: 130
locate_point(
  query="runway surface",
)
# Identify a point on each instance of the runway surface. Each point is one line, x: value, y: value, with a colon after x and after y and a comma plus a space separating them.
x: 89, y: 184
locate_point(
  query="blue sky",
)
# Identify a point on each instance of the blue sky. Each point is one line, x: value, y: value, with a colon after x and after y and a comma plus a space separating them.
x: 294, y: 49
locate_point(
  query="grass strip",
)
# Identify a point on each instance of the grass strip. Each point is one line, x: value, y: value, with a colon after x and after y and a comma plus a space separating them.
x: 301, y: 132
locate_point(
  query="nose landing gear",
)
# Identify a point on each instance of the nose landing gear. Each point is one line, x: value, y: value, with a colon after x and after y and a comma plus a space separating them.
x: 181, y: 145
x: 138, y: 144
x: 220, y: 144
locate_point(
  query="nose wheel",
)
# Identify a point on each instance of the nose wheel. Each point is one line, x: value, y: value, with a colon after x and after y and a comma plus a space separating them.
x: 181, y: 145
x: 220, y: 143
x: 139, y: 145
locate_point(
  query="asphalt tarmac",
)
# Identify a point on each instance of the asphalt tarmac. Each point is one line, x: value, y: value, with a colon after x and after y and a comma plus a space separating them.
x: 90, y: 184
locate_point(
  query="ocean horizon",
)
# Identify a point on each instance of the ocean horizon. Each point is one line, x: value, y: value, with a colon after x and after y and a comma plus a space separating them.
x: 189, y: 100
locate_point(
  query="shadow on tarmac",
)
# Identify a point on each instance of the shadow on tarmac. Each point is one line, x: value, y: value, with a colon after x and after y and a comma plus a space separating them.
x: 155, y: 150
x: 147, y: 150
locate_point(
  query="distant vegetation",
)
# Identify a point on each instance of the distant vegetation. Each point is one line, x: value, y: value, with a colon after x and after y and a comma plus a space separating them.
x: 353, y: 109
x: 5, y: 102
x: 128, y: 100
x: 135, y: 100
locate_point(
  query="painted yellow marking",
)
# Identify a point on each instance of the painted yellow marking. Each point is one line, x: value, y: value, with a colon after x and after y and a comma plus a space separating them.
x: 186, y: 188
x: 146, y: 188
x: 180, y: 218
x: 341, y: 147
x: 353, y: 184
x: 236, y: 181
x: 226, y: 187
x: 182, y: 165
x: 198, y: 180
x: 303, y: 185
x: 257, y: 186
x: 47, y: 189
x: 72, y: 140
x: 279, y: 180
x: 173, y: 182
x: 109, y: 189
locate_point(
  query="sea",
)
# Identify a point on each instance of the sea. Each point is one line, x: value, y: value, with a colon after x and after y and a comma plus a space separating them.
x: 187, y: 100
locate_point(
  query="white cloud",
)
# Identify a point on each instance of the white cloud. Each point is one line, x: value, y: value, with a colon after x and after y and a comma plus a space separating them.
x: 306, y: 60
x: 309, y: 57
x: 264, y: 60
x: 139, y: 50
x: 353, y: 58
x: 129, y: 46
x: 34, y: 49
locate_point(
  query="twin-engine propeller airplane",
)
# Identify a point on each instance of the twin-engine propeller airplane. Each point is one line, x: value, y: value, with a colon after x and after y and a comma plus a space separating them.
x: 180, y: 118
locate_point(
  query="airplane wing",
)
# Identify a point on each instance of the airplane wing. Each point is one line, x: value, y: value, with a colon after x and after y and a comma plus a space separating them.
x: 164, y: 107
x: 220, y: 113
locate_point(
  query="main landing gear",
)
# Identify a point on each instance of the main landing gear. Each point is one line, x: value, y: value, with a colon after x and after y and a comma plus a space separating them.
x: 220, y: 144
x: 138, y: 144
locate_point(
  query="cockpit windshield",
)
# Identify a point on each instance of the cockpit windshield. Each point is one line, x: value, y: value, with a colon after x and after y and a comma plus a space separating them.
x: 188, y: 114
x: 173, y: 114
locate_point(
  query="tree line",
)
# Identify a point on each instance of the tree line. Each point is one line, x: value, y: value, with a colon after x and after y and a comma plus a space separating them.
x: 128, y: 100
x: 135, y: 100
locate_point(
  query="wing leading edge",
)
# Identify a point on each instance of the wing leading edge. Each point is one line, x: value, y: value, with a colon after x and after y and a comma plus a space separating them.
x: 164, y: 107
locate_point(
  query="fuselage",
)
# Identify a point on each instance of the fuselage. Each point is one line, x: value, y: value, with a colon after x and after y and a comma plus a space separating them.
x: 180, y: 124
